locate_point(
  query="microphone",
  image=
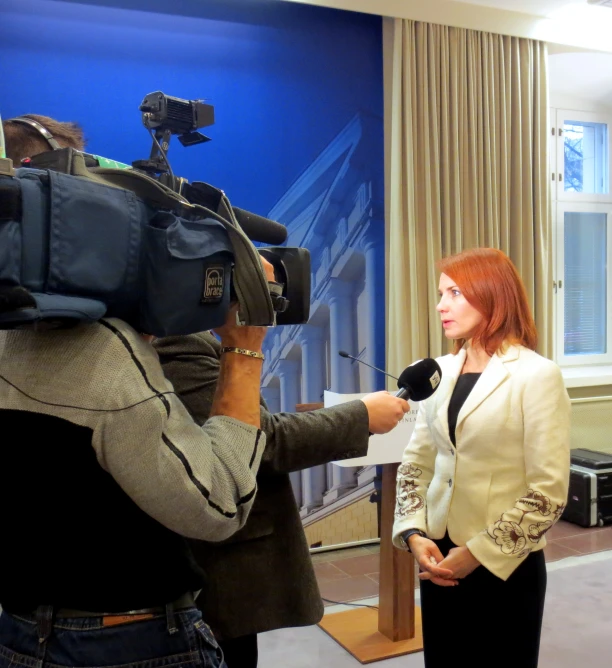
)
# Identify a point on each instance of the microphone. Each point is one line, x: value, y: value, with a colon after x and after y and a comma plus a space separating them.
x: 420, y: 380
x: 343, y: 353
x: 258, y: 228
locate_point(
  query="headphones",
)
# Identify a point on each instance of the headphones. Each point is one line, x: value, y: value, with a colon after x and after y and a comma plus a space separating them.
x: 41, y: 129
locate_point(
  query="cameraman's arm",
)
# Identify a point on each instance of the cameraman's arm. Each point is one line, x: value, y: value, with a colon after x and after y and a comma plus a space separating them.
x: 237, y: 392
x: 196, y: 481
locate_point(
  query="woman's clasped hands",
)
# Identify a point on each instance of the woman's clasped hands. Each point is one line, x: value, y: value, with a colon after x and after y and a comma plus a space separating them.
x: 442, y: 571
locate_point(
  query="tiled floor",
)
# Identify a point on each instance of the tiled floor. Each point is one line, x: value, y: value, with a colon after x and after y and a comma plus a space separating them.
x: 352, y: 574
x: 576, y: 629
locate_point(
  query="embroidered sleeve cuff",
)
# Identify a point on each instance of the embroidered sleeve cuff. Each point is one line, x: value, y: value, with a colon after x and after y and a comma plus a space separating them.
x: 493, y: 557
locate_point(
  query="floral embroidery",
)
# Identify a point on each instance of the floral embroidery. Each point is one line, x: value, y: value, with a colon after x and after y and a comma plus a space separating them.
x: 407, y: 484
x: 509, y: 536
x: 408, y: 503
x: 534, y: 502
x: 408, y: 470
x: 536, y: 531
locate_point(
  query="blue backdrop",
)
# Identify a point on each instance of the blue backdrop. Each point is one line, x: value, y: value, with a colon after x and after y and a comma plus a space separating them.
x: 284, y: 79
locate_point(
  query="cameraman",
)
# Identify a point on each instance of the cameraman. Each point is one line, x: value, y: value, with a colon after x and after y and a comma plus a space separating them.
x: 102, y: 475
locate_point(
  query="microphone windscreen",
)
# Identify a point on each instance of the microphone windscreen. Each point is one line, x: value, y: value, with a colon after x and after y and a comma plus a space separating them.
x: 421, y: 379
x: 258, y: 228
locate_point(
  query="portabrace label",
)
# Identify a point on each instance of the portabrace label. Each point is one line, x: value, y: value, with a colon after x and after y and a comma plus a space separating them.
x: 214, y: 282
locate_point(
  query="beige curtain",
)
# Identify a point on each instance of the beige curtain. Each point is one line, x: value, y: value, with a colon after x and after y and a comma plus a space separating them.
x: 466, y: 166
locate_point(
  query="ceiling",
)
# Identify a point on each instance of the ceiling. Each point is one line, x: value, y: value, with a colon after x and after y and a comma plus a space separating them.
x: 532, y: 7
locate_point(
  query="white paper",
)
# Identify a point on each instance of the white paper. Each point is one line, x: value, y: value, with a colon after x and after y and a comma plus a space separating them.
x: 382, y: 448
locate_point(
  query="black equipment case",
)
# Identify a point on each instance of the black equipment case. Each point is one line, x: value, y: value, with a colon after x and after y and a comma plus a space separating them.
x: 589, y: 501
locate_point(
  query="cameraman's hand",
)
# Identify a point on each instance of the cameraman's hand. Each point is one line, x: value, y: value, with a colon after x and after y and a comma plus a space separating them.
x: 384, y: 411
x: 239, y: 336
x: 237, y: 392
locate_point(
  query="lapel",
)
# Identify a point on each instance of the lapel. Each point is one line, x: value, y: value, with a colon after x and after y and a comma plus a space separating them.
x: 494, y: 374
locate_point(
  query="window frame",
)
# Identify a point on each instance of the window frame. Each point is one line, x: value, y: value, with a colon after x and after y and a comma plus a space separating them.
x: 559, y: 211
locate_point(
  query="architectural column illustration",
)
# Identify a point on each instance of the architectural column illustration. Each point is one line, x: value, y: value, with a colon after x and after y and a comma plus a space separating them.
x: 334, y: 209
x: 272, y: 398
x: 313, y: 377
x: 288, y: 371
x: 342, y: 336
x: 375, y: 325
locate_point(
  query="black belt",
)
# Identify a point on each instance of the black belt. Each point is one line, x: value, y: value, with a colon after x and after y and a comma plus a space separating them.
x: 182, y: 602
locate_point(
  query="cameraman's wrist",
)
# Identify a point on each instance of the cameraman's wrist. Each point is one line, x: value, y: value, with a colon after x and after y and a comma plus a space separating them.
x: 246, y: 343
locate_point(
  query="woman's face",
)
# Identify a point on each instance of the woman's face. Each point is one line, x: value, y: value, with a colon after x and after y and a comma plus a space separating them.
x: 459, y: 318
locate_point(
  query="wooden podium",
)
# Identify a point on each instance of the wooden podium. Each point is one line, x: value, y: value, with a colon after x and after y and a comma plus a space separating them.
x: 395, y: 628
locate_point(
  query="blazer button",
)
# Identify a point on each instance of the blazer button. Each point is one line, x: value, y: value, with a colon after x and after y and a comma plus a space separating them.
x: 450, y: 482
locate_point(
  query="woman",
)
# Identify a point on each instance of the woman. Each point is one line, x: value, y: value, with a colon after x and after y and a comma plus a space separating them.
x: 485, y: 474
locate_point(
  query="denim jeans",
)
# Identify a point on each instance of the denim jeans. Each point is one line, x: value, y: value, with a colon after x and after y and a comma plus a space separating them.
x: 177, y: 640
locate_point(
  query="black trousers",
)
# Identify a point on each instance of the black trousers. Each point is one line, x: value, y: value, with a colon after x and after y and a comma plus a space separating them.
x: 240, y: 652
x: 485, y: 621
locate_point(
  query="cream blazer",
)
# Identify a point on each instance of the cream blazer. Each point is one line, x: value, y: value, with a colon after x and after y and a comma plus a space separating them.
x: 506, y: 483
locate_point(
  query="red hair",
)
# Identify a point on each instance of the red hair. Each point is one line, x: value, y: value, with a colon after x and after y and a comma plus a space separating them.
x: 491, y: 284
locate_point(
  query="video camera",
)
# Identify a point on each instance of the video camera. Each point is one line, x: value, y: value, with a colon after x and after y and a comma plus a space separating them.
x: 82, y: 237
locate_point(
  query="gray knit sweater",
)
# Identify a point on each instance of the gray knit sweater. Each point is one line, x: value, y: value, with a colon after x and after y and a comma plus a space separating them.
x: 197, y: 481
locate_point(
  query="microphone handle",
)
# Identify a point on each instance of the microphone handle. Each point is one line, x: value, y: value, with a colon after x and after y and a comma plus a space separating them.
x: 404, y: 393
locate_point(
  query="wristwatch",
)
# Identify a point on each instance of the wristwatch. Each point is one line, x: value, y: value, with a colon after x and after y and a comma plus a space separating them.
x: 406, y: 535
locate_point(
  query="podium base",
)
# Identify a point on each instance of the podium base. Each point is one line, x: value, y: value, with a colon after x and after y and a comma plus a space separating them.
x: 357, y: 631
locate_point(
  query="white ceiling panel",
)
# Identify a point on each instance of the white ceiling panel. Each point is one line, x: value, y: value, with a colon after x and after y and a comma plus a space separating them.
x: 532, y: 7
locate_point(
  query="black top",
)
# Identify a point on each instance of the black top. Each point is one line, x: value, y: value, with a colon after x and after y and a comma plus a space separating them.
x: 465, y: 384
x: 71, y: 536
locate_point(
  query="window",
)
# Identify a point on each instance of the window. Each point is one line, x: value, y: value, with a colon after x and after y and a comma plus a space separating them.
x: 585, y: 157
x: 582, y: 206
x: 582, y: 148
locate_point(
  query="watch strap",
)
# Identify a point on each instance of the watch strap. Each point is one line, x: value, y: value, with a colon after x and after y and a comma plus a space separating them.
x: 411, y: 532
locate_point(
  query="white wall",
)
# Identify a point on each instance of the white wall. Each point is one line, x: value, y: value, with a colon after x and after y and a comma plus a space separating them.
x: 580, y: 80
x: 576, y: 23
